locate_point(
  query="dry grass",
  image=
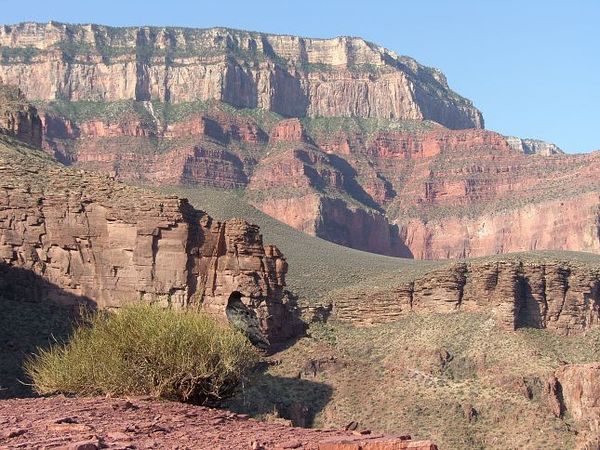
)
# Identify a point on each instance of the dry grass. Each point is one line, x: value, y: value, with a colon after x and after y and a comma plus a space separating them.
x: 146, y: 350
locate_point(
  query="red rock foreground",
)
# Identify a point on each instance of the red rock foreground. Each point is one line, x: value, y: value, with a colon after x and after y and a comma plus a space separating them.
x: 93, y: 423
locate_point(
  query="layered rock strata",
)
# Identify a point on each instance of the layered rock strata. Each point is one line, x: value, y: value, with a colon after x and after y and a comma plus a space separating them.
x: 289, y: 75
x: 426, y: 192
x: 97, y: 239
x: 429, y: 193
x: 361, y: 160
x: 560, y: 296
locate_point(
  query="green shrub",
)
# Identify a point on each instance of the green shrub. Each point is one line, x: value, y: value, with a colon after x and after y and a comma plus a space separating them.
x: 146, y: 350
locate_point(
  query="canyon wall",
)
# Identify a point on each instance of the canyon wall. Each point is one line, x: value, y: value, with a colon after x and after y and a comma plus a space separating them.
x: 428, y: 193
x: 289, y: 75
x: 95, y: 239
x: 378, y: 154
x: 554, y: 224
x: 420, y: 191
x: 562, y: 296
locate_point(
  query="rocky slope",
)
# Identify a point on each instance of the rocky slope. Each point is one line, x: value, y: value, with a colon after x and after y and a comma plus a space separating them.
x: 286, y: 74
x: 458, y: 379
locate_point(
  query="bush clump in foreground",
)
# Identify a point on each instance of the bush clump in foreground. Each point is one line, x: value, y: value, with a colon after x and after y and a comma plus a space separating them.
x: 146, y: 350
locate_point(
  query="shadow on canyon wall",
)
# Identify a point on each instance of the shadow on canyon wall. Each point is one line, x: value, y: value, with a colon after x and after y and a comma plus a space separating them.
x: 30, y: 319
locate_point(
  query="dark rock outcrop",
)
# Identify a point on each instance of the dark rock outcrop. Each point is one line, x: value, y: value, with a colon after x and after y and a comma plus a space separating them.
x: 17, y: 117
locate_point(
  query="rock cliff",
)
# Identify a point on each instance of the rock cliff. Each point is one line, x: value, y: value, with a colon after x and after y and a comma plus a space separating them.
x: 533, y: 146
x: 289, y: 75
x: 450, y: 194
x: 99, y: 240
x: 548, y: 292
x: 574, y: 389
x: 399, y: 188
x: 339, y: 138
x: 17, y: 117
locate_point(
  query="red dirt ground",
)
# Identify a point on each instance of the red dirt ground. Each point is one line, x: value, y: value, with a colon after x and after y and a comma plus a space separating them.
x: 94, y: 423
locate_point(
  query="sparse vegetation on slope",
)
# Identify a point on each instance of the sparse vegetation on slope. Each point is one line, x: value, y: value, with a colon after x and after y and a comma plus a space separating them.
x: 146, y: 350
x: 456, y: 378
x: 83, y: 111
x: 323, y: 126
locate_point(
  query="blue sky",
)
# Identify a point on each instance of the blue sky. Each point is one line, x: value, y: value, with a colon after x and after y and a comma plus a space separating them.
x: 532, y: 67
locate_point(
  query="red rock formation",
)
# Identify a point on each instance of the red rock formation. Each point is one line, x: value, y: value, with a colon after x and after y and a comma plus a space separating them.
x: 411, y: 145
x: 357, y: 228
x: 297, y: 212
x: 466, y: 193
x: 431, y: 193
x: 561, y: 224
x: 217, y: 125
x: 98, y: 128
x: 575, y: 389
x: 287, y: 131
x: 97, y: 239
x: 131, y: 149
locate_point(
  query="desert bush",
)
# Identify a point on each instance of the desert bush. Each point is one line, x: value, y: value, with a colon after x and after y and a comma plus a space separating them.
x: 146, y: 350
